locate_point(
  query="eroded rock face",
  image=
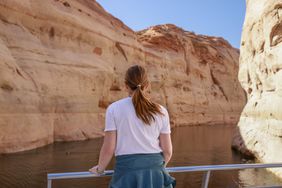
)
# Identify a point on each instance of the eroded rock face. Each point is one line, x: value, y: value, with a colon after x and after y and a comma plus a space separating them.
x: 63, y: 62
x: 260, y: 126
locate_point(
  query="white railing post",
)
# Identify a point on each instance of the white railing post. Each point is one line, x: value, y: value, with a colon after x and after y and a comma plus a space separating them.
x: 49, y: 184
x: 206, y: 178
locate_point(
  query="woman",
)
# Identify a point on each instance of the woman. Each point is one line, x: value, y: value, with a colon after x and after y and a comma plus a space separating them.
x: 137, y: 130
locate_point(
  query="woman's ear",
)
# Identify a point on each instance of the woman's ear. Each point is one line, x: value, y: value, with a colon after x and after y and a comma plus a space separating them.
x: 127, y: 88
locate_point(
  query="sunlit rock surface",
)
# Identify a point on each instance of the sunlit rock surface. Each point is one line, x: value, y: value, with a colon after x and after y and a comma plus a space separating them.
x: 260, y: 126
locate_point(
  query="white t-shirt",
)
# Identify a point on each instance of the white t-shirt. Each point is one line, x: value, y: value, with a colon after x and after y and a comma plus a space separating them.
x: 134, y: 136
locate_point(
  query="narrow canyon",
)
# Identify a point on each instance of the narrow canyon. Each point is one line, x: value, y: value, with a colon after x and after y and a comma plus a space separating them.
x: 62, y: 63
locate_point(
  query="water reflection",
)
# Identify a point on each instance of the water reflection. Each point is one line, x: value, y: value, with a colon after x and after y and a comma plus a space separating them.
x: 201, y: 145
x: 261, y: 177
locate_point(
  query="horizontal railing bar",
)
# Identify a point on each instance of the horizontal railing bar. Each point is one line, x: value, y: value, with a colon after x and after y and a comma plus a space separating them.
x: 223, y: 167
x: 269, y: 186
x: 69, y: 175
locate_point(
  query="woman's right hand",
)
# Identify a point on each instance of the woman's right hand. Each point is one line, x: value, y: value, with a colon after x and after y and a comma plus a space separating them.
x: 95, y: 170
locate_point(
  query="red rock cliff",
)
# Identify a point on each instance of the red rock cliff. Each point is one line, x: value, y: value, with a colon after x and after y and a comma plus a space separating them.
x: 63, y: 62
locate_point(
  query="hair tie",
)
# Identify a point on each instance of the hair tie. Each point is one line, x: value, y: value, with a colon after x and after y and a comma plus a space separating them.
x: 138, y: 86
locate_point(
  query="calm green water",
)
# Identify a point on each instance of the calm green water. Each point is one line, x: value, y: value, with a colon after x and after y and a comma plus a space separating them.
x: 199, y: 145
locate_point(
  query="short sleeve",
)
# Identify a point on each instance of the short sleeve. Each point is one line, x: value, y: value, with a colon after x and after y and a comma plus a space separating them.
x: 110, y: 124
x: 166, y: 125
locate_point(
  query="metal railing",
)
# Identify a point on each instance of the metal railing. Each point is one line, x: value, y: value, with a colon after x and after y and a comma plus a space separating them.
x: 206, y: 169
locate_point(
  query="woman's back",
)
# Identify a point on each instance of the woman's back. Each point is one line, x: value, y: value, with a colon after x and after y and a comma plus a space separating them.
x: 137, y: 130
x: 133, y: 135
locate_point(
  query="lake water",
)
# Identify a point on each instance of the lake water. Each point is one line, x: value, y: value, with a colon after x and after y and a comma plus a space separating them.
x: 197, y: 145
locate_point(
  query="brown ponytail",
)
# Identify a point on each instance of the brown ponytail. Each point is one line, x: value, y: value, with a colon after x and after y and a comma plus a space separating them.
x: 136, y: 79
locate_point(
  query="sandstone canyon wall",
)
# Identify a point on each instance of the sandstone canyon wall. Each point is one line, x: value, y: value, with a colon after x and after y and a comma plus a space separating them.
x: 63, y: 62
x: 260, y: 125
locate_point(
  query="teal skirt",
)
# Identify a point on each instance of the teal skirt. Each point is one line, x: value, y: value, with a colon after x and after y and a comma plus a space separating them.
x: 141, y: 171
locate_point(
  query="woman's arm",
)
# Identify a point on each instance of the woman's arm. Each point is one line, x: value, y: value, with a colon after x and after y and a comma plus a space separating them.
x: 106, y: 152
x: 166, y: 146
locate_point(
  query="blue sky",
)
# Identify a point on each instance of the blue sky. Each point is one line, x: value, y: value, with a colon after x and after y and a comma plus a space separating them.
x: 222, y: 18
